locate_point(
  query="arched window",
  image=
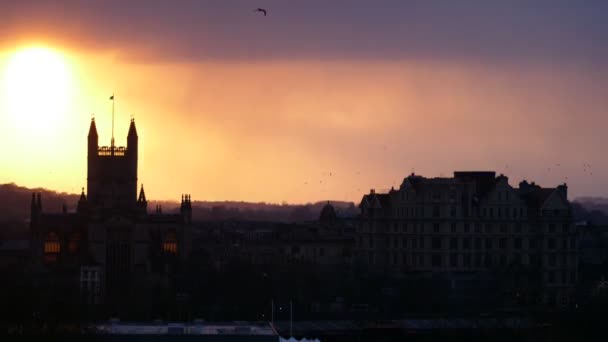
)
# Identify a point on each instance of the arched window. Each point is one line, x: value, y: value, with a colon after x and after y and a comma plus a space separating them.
x: 74, y: 243
x: 170, y: 243
x: 52, y: 247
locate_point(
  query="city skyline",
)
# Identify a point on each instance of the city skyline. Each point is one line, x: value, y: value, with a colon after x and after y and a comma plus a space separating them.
x: 264, y: 108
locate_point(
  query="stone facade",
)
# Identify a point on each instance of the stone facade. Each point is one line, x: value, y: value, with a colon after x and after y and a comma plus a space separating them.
x: 111, y: 246
x: 475, y: 223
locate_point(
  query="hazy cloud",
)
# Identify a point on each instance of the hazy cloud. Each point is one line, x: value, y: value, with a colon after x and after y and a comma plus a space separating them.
x: 518, y: 31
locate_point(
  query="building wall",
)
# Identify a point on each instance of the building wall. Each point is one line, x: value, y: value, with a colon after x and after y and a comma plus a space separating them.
x: 471, y: 225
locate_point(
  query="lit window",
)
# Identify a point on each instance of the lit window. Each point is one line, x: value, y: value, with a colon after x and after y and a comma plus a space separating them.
x: 170, y: 243
x: 52, y: 247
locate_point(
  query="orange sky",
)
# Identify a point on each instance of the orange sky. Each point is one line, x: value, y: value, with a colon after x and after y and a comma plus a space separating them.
x: 273, y: 129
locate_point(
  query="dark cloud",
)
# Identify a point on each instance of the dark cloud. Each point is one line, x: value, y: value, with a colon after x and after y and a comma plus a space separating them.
x: 538, y: 31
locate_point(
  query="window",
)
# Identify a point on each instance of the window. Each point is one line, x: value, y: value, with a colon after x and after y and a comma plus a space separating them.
x: 436, y: 243
x: 517, y: 243
x: 488, y: 243
x: 477, y: 243
x: 551, y: 243
x: 403, y: 242
x: 396, y: 243
x: 452, y: 211
x: 466, y: 260
x: 565, y: 228
x: 421, y: 242
x: 74, y: 243
x: 453, y: 260
x: 52, y: 247
x: 453, y: 243
x: 533, y: 243
x: 551, y: 228
x: 502, y: 243
x: 518, y: 227
x: 453, y: 228
x: 534, y: 259
x: 488, y: 228
x: 478, y: 258
x: 435, y: 227
x: 466, y: 243
x: 170, y: 244
x: 436, y: 260
x: 466, y: 227
x: 552, y: 260
x: 503, y: 228
x: 435, y: 211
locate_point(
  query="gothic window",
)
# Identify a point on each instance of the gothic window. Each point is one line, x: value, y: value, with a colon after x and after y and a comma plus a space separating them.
x: 74, y: 243
x: 170, y: 243
x: 52, y: 247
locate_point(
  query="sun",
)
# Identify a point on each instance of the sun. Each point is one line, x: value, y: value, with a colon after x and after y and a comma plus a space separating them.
x: 37, y: 89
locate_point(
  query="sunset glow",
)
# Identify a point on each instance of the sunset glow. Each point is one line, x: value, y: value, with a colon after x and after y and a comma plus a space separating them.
x: 37, y: 88
x: 261, y: 108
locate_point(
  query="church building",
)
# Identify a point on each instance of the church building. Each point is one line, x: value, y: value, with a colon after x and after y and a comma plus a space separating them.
x: 111, y: 248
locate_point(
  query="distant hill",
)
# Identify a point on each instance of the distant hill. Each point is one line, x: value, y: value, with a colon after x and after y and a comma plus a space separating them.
x: 15, y: 207
x: 591, y: 209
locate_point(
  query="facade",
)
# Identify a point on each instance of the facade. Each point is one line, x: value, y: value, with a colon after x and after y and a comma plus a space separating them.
x: 111, y: 247
x: 474, y: 224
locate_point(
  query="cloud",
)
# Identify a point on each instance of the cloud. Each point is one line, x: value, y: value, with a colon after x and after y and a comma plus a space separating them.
x: 514, y: 31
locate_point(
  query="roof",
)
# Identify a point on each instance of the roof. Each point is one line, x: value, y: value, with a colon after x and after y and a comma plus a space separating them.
x: 202, y: 328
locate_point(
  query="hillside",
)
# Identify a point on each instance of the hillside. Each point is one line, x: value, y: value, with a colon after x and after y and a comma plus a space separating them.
x: 15, y: 207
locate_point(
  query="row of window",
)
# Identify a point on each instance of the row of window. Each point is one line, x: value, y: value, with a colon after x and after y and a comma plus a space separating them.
x: 473, y: 243
x: 451, y: 195
x: 484, y: 212
x: 52, y: 245
x: 466, y: 260
x: 467, y: 227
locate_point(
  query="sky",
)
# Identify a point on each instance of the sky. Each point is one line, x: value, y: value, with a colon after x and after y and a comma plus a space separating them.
x: 319, y: 100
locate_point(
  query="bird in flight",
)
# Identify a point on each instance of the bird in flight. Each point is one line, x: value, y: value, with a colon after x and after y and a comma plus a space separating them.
x: 260, y: 10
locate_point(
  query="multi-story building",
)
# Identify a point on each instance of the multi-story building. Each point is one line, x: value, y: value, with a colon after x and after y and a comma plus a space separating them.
x: 110, y: 247
x: 474, y: 223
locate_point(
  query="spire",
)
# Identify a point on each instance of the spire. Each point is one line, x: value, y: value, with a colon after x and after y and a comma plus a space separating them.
x: 82, y: 202
x: 93, y: 129
x: 132, y: 129
x: 142, y: 194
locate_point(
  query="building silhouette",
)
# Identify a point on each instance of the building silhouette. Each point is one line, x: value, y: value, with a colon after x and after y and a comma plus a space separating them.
x: 471, y: 228
x: 112, y: 248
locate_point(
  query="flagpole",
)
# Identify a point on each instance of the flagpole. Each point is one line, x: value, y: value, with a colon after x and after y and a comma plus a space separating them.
x: 112, y: 123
